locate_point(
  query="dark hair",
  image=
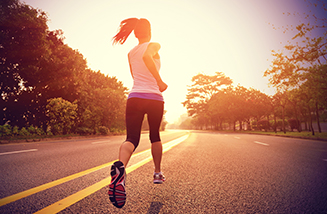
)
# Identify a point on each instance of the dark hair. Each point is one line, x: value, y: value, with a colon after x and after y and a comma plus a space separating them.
x: 141, y: 27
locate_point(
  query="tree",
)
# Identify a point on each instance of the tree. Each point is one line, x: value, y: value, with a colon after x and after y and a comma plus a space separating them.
x: 259, y: 104
x: 217, y: 108
x: 316, y: 85
x: 201, y: 91
x: 103, y: 99
x: 212, y: 106
x: 304, y: 64
x: 22, y: 47
x: 295, y: 102
x: 37, y: 66
x: 231, y: 105
x: 62, y: 115
x: 281, y: 99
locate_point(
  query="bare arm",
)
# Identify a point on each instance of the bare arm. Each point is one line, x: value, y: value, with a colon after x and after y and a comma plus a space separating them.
x: 130, y: 66
x: 151, y: 51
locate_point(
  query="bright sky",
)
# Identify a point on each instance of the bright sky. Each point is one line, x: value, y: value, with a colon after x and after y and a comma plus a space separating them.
x: 196, y: 36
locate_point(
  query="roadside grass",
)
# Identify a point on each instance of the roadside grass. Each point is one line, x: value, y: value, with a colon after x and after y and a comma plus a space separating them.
x: 37, y: 138
x: 303, y: 134
x: 34, y: 138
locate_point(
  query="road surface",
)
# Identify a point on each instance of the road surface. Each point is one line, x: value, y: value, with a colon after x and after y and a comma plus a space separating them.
x: 206, y: 173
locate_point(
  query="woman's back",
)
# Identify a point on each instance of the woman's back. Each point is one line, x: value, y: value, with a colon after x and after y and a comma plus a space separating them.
x: 144, y: 82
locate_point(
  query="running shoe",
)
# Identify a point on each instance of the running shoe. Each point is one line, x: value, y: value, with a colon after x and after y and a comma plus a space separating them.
x: 158, y: 178
x: 117, y: 193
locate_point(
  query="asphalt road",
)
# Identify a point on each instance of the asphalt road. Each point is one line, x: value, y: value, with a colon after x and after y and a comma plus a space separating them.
x: 206, y: 173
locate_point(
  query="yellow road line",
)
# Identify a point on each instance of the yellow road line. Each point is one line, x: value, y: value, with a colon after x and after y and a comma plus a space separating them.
x: 72, y: 199
x: 37, y: 189
x: 40, y: 188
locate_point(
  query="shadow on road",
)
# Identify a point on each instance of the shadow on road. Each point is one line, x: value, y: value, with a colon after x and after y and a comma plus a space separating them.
x: 155, y: 207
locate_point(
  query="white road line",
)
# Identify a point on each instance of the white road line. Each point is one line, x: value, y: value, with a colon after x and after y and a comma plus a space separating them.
x: 237, y: 137
x: 21, y: 151
x: 103, y: 141
x: 261, y: 143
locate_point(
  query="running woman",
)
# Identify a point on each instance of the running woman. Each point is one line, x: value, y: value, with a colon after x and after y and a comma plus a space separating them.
x: 144, y: 98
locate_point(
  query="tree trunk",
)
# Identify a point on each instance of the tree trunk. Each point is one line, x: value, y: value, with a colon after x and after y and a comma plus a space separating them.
x: 312, y: 130
x: 299, y: 125
x: 317, y: 117
x: 249, y: 125
x: 275, y: 125
x: 283, y: 120
x: 299, y: 128
x: 306, y: 125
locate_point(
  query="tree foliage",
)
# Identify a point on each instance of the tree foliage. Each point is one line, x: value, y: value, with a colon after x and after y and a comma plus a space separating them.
x: 302, y: 66
x: 211, y: 103
x: 238, y: 104
x: 241, y: 108
x: 202, y: 89
x: 62, y: 115
x: 36, y: 66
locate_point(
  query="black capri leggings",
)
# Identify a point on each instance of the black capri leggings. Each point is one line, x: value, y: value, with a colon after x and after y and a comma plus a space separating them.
x: 136, y: 108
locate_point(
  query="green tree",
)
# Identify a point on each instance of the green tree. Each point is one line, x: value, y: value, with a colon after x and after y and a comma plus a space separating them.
x: 219, y: 108
x: 103, y: 99
x: 303, y: 65
x: 296, y: 106
x: 201, y: 91
x: 316, y: 85
x: 62, y: 115
x: 37, y: 66
x: 259, y: 104
x: 282, y: 99
x: 23, y: 32
x: 238, y: 104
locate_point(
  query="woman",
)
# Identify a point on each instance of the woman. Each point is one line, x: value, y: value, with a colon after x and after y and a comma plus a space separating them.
x: 144, y: 98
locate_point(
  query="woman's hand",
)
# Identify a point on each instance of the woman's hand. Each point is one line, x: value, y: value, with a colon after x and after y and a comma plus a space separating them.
x: 162, y: 86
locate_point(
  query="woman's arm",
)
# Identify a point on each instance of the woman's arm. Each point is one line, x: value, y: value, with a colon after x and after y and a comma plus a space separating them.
x: 130, y: 66
x: 151, y: 51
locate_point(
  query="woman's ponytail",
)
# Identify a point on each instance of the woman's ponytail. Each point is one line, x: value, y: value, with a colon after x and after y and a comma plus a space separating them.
x: 141, y: 27
x: 125, y: 29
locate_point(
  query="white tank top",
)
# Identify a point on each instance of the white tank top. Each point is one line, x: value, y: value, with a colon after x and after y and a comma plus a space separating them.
x: 144, y: 82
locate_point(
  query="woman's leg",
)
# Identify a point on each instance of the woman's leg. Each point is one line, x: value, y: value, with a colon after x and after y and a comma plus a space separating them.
x: 155, y: 114
x: 125, y: 152
x: 134, y: 120
x: 156, y: 150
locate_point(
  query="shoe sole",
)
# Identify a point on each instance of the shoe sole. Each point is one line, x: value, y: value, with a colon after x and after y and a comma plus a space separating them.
x: 158, y: 181
x: 117, y: 193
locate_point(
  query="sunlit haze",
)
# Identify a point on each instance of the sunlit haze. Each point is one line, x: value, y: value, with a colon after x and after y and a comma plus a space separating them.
x: 234, y: 37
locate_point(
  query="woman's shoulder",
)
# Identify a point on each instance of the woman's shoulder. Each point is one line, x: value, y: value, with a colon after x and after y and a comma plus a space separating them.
x: 147, y: 47
x: 154, y: 46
